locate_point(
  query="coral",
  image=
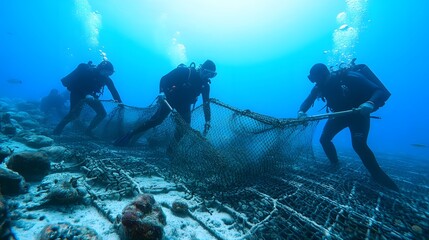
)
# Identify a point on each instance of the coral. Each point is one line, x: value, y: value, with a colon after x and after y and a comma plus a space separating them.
x: 64, y: 192
x: 67, y: 231
x: 143, y: 219
x: 179, y: 207
x: 144, y: 203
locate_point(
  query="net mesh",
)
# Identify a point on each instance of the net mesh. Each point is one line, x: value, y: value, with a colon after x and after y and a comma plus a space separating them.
x: 239, y: 147
x: 262, y: 171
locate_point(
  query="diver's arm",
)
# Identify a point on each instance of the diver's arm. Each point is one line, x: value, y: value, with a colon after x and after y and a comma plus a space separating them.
x: 172, y: 80
x: 308, y: 102
x: 111, y: 86
x: 206, y: 102
x: 379, y: 96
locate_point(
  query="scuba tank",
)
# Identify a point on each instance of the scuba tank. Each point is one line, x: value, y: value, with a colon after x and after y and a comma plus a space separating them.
x: 362, y: 70
x: 370, y: 75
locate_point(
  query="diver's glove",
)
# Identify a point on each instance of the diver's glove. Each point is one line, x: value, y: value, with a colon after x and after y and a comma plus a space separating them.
x: 302, y: 114
x: 366, y: 108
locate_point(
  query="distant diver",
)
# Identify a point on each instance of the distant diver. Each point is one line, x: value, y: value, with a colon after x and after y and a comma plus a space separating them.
x: 352, y: 88
x: 86, y: 84
x: 53, y: 103
x: 179, y: 89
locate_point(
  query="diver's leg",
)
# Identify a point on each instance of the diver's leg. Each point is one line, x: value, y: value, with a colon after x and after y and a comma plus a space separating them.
x: 359, y: 129
x: 332, y: 128
x: 101, y: 114
x: 184, y: 111
x: 60, y: 126
x: 76, y: 104
x: 159, y: 116
x: 182, y: 121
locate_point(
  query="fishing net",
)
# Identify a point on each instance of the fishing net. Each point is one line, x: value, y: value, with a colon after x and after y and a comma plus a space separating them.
x: 262, y: 172
x: 239, y: 147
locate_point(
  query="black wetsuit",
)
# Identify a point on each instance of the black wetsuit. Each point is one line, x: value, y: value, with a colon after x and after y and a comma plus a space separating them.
x: 86, y: 80
x: 181, y: 86
x: 342, y: 93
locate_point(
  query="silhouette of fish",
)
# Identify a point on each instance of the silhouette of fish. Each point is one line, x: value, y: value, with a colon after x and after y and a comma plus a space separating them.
x: 419, y: 145
x: 14, y: 81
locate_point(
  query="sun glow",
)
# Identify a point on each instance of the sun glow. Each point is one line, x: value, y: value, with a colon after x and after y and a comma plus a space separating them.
x: 251, y: 30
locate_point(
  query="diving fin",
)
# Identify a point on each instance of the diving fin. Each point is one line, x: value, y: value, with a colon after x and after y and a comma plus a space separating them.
x: 386, y: 181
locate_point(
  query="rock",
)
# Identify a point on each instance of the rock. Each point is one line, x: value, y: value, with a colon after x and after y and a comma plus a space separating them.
x: 4, y: 152
x: 6, y: 125
x: 21, y: 116
x: 179, y: 207
x: 6, y: 118
x: 8, y: 129
x: 33, y: 166
x: 29, y: 123
x: 67, y: 231
x: 23, y: 224
x: 226, y: 219
x: 56, y: 153
x: 143, y: 219
x: 4, y: 106
x: 11, y: 182
x: 3, y: 138
x: 37, y: 141
x: 5, y: 226
x: 25, y: 106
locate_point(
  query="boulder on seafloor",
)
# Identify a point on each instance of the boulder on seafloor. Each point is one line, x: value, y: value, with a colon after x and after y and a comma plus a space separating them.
x: 6, y: 124
x: 67, y: 231
x: 33, y: 166
x: 5, y: 226
x: 4, y: 152
x: 37, y: 141
x: 180, y: 208
x: 11, y: 183
x: 56, y: 153
x: 142, y: 219
x: 25, y: 119
x: 29, y: 123
x: 26, y: 106
x: 8, y: 129
x: 4, y: 105
x: 20, y: 116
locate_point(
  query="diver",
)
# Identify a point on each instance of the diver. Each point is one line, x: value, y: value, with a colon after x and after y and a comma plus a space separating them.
x: 53, y: 104
x: 350, y: 90
x: 86, y: 84
x: 178, y: 90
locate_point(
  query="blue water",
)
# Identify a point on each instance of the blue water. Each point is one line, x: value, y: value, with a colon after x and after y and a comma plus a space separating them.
x: 263, y: 50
